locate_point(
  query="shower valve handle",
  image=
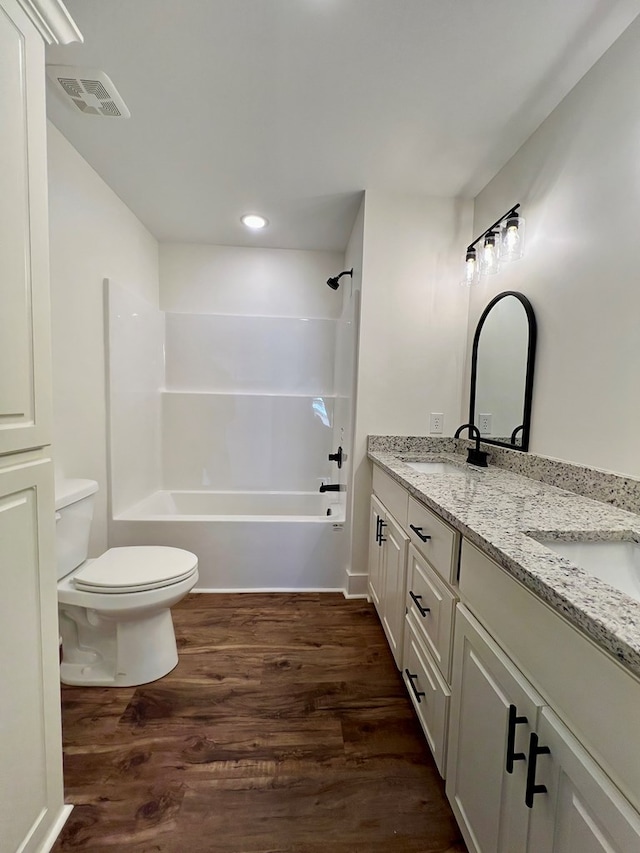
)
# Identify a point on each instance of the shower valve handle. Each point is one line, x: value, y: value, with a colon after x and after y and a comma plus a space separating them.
x: 336, y: 457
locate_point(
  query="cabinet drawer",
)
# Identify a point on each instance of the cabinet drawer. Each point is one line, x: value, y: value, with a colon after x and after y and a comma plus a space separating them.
x: 429, y: 694
x: 392, y: 495
x: 441, y: 548
x: 430, y: 610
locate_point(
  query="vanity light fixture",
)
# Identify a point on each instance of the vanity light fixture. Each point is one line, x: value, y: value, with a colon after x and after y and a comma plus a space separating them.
x: 253, y: 221
x: 501, y: 242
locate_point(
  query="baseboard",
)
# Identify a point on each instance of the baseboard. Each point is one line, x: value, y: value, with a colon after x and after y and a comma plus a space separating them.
x: 56, y: 829
x: 204, y: 591
x: 357, y: 586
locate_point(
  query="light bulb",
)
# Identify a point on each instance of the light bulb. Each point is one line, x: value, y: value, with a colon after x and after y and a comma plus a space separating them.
x: 512, y: 238
x: 490, y: 261
x: 470, y: 268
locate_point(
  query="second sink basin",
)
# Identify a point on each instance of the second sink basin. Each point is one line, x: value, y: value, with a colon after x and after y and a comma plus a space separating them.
x: 435, y: 467
x: 615, y: 563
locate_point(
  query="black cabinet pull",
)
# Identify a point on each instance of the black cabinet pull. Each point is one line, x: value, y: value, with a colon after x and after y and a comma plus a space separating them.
x: 416, y: 693
x: 378, y: 520
x: 534, y: 752
x: 382, y: 538
x: 416, y: 601
x: 514, y: 720
x: 419, y: 533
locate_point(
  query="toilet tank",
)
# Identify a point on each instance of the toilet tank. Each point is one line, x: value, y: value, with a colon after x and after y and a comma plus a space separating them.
x: 74, y: 511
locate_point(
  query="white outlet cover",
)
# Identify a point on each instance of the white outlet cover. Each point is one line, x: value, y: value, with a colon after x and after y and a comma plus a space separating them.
x: 436, y: 424
x: 484, y: 423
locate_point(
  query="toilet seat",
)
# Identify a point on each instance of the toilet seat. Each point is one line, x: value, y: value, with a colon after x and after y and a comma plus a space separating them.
x: 136, y: 569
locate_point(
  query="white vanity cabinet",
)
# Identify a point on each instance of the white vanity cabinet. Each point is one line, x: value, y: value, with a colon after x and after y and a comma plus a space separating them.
x: 544, y: 753
x: 413, y: 557
x: 387, y: 570
x: 581, y: 810
x: 493, y: 713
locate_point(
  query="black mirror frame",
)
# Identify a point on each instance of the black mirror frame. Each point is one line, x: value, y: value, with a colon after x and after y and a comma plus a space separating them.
x: 528, y: 386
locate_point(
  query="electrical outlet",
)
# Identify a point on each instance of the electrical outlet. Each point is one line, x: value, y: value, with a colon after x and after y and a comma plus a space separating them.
x: 437, y: 422
x: 484, y: 422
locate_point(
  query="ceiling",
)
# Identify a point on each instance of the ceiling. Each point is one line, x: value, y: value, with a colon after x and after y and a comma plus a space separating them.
x: 292, y: 107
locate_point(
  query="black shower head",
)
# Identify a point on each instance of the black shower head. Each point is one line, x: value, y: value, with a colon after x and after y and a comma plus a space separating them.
x: 334, y: 281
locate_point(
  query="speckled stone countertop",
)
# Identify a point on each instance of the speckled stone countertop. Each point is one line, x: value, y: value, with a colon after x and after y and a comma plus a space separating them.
x: 500, y: 511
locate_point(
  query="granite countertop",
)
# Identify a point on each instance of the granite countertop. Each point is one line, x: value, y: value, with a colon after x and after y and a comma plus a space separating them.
x: 497, y: 509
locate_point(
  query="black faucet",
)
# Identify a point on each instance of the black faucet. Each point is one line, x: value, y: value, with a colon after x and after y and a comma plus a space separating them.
x: 331, y: 487
x: 475, y: 456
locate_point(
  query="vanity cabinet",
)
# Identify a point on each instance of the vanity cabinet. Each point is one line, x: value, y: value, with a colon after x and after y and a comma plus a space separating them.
x: 581, y: 810
x: 387, y: 562
x: 493, y: 714
x: 413, y: 557
x: 543, y: 749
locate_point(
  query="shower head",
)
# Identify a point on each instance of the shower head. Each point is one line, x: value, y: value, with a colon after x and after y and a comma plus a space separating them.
x: 334, y: 281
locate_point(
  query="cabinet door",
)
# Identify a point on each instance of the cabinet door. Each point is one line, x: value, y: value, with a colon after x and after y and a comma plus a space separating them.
x: 31, y: 797
x: 581, y: 810
x: 376, y: 581
x: 488, y: 801
x: 24, y: 276
x: 394, y: 578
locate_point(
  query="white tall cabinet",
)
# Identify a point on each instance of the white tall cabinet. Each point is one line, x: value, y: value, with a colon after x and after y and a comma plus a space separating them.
x: 32, y: 807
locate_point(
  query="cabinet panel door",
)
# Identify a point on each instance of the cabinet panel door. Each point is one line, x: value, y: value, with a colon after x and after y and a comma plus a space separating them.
x: 375, y: 553
x: 395, y: 562
x: 487, y: 800
x: 24, y: 276
x: 430, y: 608
x: 582, y: 811
x: 30, y: 742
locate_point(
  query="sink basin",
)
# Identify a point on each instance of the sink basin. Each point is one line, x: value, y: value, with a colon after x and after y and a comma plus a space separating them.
x: 615, y: 563
x: 435, y: 467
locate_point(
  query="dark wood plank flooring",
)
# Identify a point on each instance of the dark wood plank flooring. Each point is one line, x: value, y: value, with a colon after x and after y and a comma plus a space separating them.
x: 285, y: 728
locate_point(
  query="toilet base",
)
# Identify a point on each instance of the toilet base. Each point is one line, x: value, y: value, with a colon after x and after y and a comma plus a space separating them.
x: 100, y: 650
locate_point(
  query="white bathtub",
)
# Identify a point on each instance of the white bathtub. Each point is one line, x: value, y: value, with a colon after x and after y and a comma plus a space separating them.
x: 246, y: 541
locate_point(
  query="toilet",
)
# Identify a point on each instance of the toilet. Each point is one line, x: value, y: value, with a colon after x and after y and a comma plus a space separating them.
x: 115, y: 616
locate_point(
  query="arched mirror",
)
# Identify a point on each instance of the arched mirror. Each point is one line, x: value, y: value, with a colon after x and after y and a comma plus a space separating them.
x: 502, y: 359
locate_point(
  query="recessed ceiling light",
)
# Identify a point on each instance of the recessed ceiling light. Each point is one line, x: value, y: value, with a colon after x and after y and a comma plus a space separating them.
x: 253, y: 221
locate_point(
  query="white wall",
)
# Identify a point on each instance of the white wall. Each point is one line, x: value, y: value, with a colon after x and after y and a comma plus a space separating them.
x: 412, y: 327
x: 93, y: 236
x: 578, y: 179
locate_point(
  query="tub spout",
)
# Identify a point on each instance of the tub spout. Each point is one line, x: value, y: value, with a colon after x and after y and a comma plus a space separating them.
x: 332, y: 487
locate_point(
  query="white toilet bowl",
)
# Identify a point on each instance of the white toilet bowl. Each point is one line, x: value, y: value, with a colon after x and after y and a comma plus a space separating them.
x: 115, y: 617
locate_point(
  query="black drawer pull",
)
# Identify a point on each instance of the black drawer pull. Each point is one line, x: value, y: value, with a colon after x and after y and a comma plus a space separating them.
x: 416, y: 693
x: 382, y: 538
x: 419, y: 533
x: 416, y: 601
x: 514, y: 720
x: 378, y: 520
x: 534, y: 752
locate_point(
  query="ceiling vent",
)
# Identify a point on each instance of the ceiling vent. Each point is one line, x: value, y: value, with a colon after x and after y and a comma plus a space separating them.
x: 89, y: 90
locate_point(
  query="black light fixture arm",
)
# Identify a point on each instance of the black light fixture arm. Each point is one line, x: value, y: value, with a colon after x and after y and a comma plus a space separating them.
x: 488, y: 230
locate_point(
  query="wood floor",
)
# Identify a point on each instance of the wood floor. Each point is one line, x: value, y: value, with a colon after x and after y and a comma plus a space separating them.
x: 285, y: 728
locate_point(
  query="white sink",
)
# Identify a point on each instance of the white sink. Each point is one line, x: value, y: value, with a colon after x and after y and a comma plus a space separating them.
x: 615, y: 563
x: 435, y: 467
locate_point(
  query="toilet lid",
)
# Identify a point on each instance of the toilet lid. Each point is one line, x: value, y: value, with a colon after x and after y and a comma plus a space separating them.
x: 136, y: 569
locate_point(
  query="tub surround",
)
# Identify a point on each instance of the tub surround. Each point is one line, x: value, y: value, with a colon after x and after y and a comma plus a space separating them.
x: 500, y: 511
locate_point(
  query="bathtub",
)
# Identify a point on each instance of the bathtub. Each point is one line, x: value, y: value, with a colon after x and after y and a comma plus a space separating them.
x: 246, y: 541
